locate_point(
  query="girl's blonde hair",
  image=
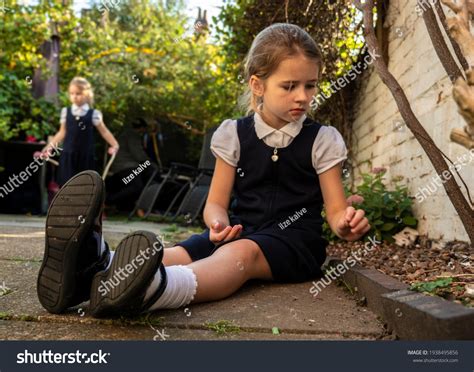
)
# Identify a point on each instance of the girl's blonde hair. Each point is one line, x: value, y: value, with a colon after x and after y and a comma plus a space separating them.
x: 85, y: 87
x: 270, y: 47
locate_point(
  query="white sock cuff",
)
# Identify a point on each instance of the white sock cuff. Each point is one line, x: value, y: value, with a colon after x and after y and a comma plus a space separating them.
x: 180, y: 289
x: 192, y: 284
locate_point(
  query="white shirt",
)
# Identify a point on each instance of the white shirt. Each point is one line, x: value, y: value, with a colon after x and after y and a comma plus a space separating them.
x: 328, y: 148
x: 81, y: 111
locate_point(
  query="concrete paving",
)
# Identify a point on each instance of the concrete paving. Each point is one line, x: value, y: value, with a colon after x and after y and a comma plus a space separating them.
x: 251, y: 313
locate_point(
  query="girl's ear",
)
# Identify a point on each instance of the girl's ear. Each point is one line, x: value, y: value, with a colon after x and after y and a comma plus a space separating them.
x: 256, y: 85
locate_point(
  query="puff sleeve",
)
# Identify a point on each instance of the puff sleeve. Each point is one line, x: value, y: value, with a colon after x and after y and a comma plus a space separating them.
x: 329, y: 149
x: 225, y: 142
x: 62, y: 119
x: 96, y: 117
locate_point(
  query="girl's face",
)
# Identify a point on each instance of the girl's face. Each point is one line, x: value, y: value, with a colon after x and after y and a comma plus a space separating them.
x: 76, y: 95
x: 288, y: 92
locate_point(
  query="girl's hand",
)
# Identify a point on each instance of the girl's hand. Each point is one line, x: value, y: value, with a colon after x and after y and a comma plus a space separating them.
x: 220, y: 233
x: 113, y: 150
x: 352, y: 224
x: 47, y: 151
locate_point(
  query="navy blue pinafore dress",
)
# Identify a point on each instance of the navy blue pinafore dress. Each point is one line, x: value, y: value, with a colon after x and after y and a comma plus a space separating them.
x: 78, y: 146
x: 278, y: 203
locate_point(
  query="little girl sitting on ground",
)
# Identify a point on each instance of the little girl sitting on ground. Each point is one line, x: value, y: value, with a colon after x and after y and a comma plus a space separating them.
x: 281, y: 166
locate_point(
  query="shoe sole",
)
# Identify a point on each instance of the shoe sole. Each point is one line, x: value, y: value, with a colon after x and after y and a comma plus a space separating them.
x: 112, y: 294
x: 70, y: 216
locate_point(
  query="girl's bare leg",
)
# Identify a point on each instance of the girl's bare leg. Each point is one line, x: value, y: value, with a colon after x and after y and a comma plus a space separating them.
x: 227, y: 269
x: 176, y: 256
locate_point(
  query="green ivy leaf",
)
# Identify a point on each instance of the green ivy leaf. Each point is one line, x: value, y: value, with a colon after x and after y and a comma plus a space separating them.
x: 388, y: 226
x: 432, y: 285
x: 410, y: 221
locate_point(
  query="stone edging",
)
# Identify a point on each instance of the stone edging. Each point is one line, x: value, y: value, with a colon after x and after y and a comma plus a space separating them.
x: 410, y: 315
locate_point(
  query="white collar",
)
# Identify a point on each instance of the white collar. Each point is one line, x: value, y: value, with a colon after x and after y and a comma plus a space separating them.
x: 263, y: 129
x: 84, y: 107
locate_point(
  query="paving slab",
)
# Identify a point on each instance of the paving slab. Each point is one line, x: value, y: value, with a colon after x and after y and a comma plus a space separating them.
x: 27, y: 243
x: 19, y: 236
x: 255, y: 309
x: 119, y: 226
x: 256, y: 306
x: 21, y: 330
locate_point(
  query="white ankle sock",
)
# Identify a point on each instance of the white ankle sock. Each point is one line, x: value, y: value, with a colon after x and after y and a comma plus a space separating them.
x: 180, y: 289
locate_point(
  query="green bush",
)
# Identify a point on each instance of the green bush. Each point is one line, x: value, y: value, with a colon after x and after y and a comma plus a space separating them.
x: 388, y: 212
x: 21, y: 113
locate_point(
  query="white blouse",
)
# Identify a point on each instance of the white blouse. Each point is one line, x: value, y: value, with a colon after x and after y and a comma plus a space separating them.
x: 328, y: 148
x: 81, y: 111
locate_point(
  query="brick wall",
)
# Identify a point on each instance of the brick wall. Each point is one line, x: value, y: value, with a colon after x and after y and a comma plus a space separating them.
x: 381, y: 140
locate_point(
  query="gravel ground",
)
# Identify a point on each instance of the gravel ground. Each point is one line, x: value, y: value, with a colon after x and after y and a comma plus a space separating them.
x: 422, y: 262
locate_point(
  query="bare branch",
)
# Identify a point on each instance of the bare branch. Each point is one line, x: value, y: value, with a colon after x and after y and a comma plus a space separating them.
x: 439, y: 44
x: 457, y: 49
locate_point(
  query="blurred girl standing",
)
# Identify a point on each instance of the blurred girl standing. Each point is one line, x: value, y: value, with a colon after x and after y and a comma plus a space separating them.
x: 77, y: 122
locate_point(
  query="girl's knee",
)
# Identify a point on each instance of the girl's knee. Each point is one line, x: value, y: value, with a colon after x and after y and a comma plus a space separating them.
x: 243, y: 248
x: 247, y: 255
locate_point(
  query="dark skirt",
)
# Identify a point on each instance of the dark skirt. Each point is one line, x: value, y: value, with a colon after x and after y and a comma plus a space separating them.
x: 72, y: 163
x: 295, y: 252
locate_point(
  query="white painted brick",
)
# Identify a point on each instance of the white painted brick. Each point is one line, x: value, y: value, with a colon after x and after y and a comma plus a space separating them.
x: 415, y: 64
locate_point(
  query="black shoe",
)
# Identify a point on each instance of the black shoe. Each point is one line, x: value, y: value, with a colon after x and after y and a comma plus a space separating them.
x: 122, y: 287
x: 73, y: 239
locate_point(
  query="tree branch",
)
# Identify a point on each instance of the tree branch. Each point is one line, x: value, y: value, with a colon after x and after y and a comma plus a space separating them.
x: 457, y: 49
x: 440, y: 46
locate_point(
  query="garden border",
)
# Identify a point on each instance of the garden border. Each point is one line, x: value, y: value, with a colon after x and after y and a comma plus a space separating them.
x: 410, y: 315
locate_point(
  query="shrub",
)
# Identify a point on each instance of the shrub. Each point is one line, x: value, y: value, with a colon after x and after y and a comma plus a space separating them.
x: 20, y: 113
x: 388, y: 212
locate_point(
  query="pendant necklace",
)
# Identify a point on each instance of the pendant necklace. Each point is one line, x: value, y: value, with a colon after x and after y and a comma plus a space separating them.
x: 275, y: 154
